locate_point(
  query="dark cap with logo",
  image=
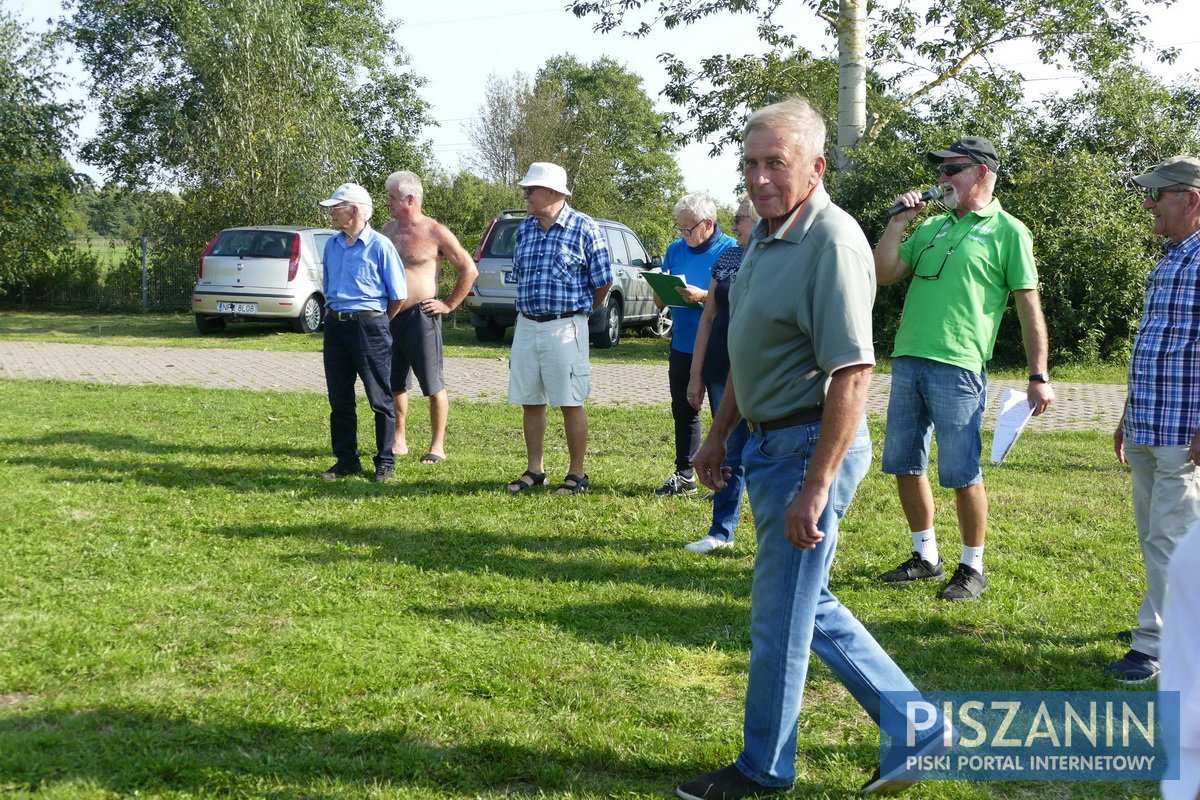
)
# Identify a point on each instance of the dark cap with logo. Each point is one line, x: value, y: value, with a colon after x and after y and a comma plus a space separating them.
x: 1176, y: 169
x: 976, y: 148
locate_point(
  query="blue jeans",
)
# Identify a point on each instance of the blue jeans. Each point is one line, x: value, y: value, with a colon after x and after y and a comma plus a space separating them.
x: 792, y: 611
x: 727, y: 503
x: 928, y: 395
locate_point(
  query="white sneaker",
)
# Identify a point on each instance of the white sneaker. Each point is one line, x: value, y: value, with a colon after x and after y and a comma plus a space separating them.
x: 707, y: 545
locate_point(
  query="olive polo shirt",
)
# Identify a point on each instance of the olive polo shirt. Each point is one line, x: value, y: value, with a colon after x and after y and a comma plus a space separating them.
x: 800, y: 308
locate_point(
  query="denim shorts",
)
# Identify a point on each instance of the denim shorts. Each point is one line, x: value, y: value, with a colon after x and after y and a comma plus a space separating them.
x: 928, y: 395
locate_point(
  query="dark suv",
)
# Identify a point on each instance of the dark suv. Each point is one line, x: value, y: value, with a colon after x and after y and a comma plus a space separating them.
x: 492, y: 301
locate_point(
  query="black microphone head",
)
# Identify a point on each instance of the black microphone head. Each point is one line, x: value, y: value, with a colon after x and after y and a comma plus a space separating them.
x: 932, y: 193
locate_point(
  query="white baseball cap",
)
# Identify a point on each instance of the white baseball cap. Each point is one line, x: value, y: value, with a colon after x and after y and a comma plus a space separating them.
x: 348, y: 193
x: 550, y: 176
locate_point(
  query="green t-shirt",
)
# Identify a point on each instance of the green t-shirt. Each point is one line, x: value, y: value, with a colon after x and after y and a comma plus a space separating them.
x: 978, y: 260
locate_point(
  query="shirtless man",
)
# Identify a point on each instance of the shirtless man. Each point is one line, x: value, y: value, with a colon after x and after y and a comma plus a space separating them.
x: 417, y: 328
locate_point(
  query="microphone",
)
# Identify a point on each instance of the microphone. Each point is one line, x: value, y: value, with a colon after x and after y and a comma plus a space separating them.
x: 932, y: 193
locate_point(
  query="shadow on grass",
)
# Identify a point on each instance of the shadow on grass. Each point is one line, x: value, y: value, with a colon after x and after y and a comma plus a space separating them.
x: 127, y: 752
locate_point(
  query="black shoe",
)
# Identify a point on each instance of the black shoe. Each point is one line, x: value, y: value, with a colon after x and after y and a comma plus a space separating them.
x: 339, y: 471
x: 966, y: 584
x: 727, y: 783
x: 1125, y: 637
x: 1135, y: 667
x: 895, y: 783
x: 383, y: 474
x: 915, y: 569
x: 678, y: 483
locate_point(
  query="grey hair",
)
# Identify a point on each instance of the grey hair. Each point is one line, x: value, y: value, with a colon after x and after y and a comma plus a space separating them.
x: 699, y: 205
x: 744, y: 200
x: 796, y: 115
x: 407, y: 183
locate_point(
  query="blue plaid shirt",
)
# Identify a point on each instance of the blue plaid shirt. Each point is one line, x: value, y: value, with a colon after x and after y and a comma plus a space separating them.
x: 557, y: 270
x: 1164, y: 372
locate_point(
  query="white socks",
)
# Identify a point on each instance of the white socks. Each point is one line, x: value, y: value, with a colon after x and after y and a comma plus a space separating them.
x: 925, y: 545
x: 973, y: 557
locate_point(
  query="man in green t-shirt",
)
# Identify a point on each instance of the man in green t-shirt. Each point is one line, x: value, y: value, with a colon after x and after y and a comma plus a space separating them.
x: 964, y: 264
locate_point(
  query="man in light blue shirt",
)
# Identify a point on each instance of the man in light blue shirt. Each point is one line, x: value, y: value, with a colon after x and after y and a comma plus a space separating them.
x: 364, y: 288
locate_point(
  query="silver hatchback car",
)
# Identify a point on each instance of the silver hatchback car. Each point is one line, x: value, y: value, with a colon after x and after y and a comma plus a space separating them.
x: 262, y: 272
x: 493, y: 299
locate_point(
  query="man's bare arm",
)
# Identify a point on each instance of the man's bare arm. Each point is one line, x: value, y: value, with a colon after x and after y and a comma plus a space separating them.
x: 1037, y: 346
x: 450, y: 249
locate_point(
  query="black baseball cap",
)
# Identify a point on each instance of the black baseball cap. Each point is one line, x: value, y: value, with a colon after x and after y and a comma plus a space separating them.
x: 976, y: 148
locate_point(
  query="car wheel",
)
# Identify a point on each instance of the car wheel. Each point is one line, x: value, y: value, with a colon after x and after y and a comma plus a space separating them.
x: 309, y: 320
x: 661, y: 327
x: 208, y: 325
x: 490, y: 332
x: 610, y: 334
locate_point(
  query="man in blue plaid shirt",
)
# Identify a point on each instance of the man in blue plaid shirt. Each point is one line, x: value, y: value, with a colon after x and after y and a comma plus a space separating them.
x: 1159, y: 434
x: 563, y: 270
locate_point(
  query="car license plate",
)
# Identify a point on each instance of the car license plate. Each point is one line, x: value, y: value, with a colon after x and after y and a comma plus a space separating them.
x: 237, y: 308
x: 510, y: 276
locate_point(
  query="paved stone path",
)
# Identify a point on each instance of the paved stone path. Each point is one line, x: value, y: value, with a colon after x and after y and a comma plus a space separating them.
x: 1079, y: 406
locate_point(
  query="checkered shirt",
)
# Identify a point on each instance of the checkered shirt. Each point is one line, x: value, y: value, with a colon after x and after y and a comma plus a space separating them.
x: 1164, y: 371
x: 557, y: 270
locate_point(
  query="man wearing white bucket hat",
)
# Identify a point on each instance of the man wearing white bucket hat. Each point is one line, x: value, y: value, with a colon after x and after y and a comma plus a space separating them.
x: 563, y: 270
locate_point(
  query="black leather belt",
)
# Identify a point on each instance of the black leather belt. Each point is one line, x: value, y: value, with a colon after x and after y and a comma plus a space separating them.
x: 352, y: 316
x: 804, y: 416
x: 550, y: 317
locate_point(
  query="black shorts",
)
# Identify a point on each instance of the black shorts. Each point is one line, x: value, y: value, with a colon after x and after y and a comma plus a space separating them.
x: 417, y: 349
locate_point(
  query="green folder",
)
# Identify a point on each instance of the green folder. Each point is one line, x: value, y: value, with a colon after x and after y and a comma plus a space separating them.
x: 664, y: 286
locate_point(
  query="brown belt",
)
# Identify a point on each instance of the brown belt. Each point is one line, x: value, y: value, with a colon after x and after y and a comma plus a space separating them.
x: 352, y: 316
x: 804, y: 416
x: 550, y: 317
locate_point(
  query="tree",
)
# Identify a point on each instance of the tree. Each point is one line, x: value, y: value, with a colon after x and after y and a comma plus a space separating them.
x: 923, y: 52
x: 34, y: 135
x: 250, y: 109
x: 597, y: 122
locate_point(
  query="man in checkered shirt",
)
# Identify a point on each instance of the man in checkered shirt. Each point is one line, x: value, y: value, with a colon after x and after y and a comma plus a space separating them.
x: 1159, y: 434
x: 563, y: 271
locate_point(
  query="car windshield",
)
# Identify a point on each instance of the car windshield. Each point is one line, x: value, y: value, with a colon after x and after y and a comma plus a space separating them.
x: 254, y: 244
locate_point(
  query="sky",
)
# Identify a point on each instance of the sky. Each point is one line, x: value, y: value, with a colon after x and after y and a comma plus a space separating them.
x: 456, y: 45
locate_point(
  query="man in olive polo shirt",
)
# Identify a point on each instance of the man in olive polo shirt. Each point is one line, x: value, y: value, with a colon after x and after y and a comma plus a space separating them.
x: 963, y: 265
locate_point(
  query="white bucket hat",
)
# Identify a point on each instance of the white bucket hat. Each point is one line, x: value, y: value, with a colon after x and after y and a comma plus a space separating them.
x: 348, y: 193
x: 550, y: 176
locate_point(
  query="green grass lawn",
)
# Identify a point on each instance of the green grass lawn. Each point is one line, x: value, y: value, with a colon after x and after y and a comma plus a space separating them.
x: 186, y: 611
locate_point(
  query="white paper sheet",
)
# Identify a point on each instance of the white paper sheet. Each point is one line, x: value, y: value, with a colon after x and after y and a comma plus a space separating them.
x: 1014, y: 413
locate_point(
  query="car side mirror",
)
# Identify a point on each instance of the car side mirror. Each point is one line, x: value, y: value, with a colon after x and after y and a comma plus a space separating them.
x: 656, y: 263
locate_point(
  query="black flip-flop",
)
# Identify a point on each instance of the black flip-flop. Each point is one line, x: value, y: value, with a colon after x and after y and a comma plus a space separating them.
x: 430, y: 459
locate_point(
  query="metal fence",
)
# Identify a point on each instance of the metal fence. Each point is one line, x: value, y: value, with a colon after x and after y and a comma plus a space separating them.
x: 100, y: 274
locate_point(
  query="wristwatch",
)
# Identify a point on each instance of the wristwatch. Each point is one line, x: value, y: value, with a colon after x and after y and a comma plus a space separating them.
x: 1039, y: 377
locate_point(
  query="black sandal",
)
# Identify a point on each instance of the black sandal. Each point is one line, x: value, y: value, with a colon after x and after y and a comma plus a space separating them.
x: 572, y: 484
x: 519, y: 485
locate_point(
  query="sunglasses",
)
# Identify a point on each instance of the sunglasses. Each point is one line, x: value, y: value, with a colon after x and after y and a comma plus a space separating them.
x: 954, y: 169
x: 1156, y: 193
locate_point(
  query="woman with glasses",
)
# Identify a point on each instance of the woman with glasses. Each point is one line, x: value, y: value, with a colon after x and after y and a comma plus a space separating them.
x: 691, y: 257
x: 710, y: 369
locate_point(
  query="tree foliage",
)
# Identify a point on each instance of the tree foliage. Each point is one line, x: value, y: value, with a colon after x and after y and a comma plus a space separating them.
x: 250, y: 109
x: 918, y: 49
x: 34, y: 135
x: 597, y: 122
